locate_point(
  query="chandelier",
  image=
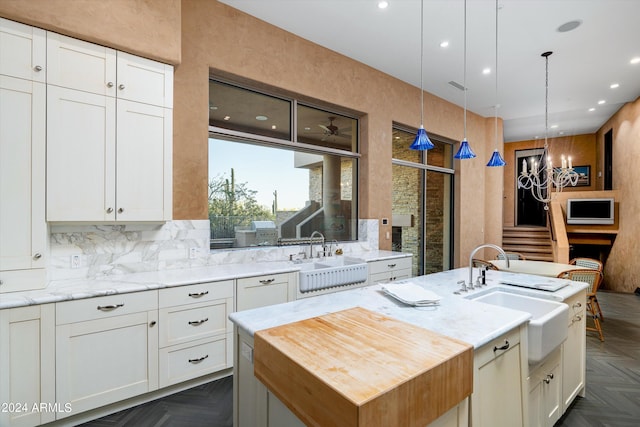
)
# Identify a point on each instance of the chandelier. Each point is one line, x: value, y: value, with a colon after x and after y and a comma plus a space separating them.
x: 541, y: 175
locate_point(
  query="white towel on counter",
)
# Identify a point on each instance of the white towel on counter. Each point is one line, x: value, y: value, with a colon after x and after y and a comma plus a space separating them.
x: 411, y: 294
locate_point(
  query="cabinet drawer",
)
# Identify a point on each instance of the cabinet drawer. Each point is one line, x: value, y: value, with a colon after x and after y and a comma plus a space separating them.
x: 104, y: 307
x: 190, y: 360
x: 201, y: 292
x: 390, y: 265
x: 261, y: 291
x: 486, y: 353
x: 194, y: 321
x: 389, y: 276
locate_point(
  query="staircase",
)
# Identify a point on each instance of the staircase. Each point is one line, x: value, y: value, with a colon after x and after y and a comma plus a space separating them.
x: 534, y: 243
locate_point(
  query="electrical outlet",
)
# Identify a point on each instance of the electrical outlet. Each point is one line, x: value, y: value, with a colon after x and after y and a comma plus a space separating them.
x: 75, y: 261
x: 193, y: 253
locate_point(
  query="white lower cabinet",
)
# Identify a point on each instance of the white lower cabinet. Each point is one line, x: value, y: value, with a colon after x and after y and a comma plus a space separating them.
x: 545, y: 387
x: 498, y: 381
x: 574, y: 351
x: 389, y: 270
x: 106, y: 349
x: 27, y: 366
x: 195, y: 333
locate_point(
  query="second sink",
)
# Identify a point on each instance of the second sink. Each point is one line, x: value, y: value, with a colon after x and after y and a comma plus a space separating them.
x: 548, y: 325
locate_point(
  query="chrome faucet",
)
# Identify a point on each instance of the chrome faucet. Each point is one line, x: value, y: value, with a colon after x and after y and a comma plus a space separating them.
x: 473, y: 252
x: 311, y: 242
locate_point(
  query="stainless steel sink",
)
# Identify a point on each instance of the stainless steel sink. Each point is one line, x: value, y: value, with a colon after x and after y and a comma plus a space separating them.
x: 330, y: 272
x: 548, y: 325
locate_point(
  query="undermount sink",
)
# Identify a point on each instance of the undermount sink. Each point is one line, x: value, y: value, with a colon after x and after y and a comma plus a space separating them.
x: 332, y: 271
x: 548, y: 324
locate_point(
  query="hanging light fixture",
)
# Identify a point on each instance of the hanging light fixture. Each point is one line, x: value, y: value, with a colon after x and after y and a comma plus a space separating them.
x: 422, y: 141
x: 542, y: 175
x: 496, y: 159
x: 465, y: 151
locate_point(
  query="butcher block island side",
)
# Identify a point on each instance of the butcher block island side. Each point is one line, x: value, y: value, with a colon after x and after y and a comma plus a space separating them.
x: 356, y: 367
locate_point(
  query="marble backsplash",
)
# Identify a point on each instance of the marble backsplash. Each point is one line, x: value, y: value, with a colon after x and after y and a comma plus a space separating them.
x: 104, y: 250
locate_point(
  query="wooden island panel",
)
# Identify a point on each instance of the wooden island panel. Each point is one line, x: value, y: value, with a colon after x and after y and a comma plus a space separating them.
x: 359, y: 368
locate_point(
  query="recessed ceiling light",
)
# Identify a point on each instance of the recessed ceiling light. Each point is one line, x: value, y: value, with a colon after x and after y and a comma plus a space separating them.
x: 554, y: 126
x: 213, y: 107
x: 569, y: 26
x: 486, y: 70
x: 274, y: 127
x: 592, y: 109
x: 635, y: 60
x: 307, y: 128
x: 227, y: 117
x: 561, y: 132
x: 602, y: 101
x: 444, y: 43
x: 261, y: 118
x: 383, y: 4
x: 614, y: 85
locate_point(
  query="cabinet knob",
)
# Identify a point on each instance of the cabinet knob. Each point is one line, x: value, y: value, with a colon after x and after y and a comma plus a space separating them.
x: 120, y: 210
x: 577, y: 305
x: 37, y: 256
x: 37, y: 68
x: 1, y: 282
x: 109, y: 84
x: 109, y: 210
x: 152, y: 323
x: 121, y: 86
x: 548, y: 379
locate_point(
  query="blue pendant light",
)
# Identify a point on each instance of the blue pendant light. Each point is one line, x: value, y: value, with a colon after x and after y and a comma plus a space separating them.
x: 465, y: 151
x: 422, y: 141
x: 496, y: 159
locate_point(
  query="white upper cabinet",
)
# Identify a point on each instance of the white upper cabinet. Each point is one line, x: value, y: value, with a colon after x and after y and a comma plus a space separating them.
x: 22, y: 51
x: 23, y: 230
x: 109, y: 140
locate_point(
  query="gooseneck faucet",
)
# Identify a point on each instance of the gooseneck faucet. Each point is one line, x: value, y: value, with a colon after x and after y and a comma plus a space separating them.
x: 473, y: 252
x: 311, y: 242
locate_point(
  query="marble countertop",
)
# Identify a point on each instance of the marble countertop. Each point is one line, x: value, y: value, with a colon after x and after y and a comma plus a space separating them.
x: 457, y: 317
x: 65, y: 290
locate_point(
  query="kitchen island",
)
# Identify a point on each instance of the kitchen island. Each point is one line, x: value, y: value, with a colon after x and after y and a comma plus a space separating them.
x: 494, y: 332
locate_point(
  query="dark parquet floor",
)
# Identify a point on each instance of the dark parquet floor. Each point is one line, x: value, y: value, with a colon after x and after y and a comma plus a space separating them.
x: 612, y: 397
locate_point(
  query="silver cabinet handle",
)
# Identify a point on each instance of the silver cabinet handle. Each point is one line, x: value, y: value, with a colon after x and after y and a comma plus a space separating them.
x: 577, y: 305
x: 548, y: 379
x: 37, y: 68
x: 37, y: 256
x: 109, y: 84
x: 198, y: 360
x: 109, y: 307
x: 266, y: 281
x: 109, y: 210
x: 121, y: 87
x: 120, y: 210
x: 198, y: 294
x: 198, y: 322
x: 504, y: 347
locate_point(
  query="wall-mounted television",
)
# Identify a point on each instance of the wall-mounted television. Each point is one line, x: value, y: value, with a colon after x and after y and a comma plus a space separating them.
x: 590, y: 211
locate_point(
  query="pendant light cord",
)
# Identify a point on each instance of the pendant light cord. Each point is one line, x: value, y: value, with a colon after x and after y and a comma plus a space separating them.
x: 496, y: 118
x: 546, y: 102
x: 421, y: 62
x: 464, y: 74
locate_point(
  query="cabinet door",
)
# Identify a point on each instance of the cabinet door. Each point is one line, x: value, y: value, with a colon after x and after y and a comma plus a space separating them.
x: 27, y: 363
x: 22, y: 147
x: 497, y: 384
x: 22, y: 51
x: 143, y: 80
x: 144, y: 173
x: 102, y: 361
x: 574, y: 351
x: 545, y: 385
x: 76, y: 64
x: 80, y: 156
x: 254, y: 292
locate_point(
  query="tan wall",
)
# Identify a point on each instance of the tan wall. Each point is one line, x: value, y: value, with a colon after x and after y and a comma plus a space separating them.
x: 623, y: 262
x: 581, y: 148
x: 218, y: 39
x: 149, y: 28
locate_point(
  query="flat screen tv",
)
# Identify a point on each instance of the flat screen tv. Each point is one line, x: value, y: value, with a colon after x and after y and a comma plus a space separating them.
x: 590, y: 211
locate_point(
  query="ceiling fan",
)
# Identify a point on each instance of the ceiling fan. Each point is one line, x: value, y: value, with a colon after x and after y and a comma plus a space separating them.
x: 333, y: 130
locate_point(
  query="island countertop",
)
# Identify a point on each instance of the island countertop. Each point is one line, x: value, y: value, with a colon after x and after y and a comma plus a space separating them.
x: 457, y: 317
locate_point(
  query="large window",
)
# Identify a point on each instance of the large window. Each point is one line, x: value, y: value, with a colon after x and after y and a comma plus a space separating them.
x: 278, y: 170
x: 422, y: 202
